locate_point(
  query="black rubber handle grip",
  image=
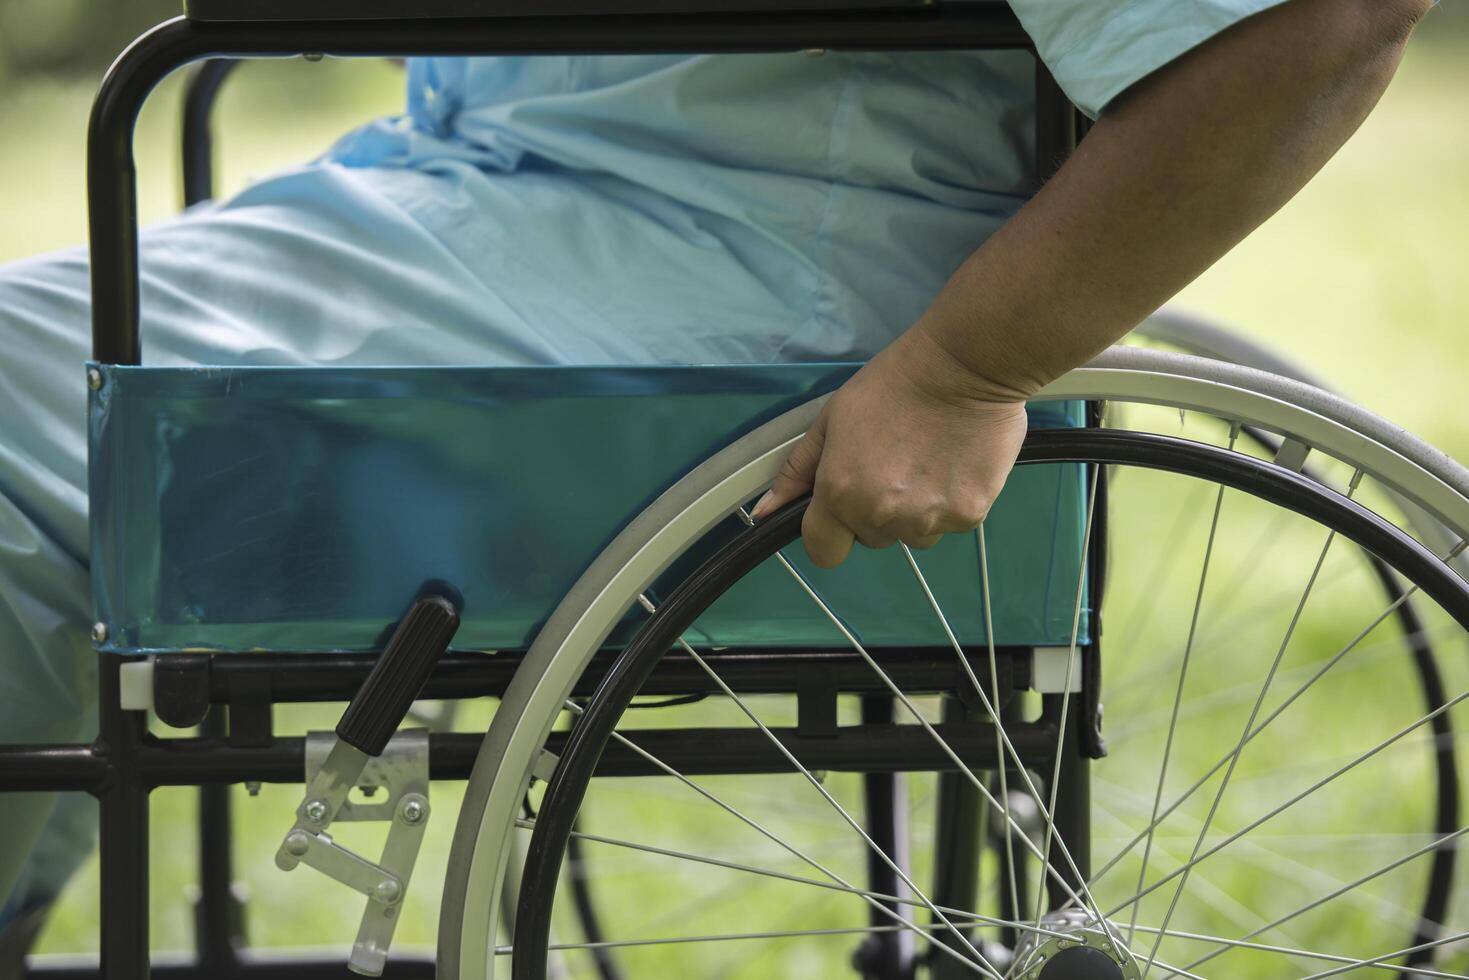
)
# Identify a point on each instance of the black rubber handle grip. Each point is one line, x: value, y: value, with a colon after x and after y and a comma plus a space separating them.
x: 382, y: 702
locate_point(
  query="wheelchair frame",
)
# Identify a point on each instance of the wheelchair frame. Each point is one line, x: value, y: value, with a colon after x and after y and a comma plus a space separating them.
x: 236, y: 742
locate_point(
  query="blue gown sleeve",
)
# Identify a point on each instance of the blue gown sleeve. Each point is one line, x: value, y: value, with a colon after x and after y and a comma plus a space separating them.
x: 1096, y: 49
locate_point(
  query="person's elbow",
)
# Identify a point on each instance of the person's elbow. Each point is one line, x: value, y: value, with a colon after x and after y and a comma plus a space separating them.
x: 1389, y: 23
x: 1355, y: 45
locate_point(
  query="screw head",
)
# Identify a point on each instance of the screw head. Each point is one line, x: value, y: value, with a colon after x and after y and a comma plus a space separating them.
x: 94, y: 379
x: 99, y: 632
x: 297, y: 843
x: 316, y: 811
x: 387, y: 891
x: 413, y: 810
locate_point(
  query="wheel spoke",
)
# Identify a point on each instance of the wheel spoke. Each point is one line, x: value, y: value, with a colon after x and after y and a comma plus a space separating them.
x: 1283, y: 862
x: 1146, y: 606
x: 1276, y: 713
x: 1367, y: 655
x: 851, y: 822
x: 1407, y: 951
x: 1244, y: 738
x: 1370, y: 753
x: 1193, y: 626
x: 1435, y: 845
x: 991, y: 703
x: 977, y: 966
x: 952, y: 913
x: 912, y: 709
x: 724, y: 937
x: 1002, y: 738
x: 1071, y: 657
x: 1378, y: 962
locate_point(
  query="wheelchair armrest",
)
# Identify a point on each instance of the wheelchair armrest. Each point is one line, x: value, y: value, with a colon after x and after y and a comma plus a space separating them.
x: 338, y: 10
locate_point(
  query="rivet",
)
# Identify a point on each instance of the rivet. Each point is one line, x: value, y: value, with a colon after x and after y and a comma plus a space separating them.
x: 297, y: 843
x: 94, y: 379
x: 99, y: 632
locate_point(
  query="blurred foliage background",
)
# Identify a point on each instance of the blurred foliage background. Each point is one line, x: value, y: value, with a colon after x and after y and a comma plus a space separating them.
x: 1362, y: 276
x: 70, y: 38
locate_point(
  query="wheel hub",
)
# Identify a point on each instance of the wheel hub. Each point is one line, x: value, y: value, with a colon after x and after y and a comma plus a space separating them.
x: 1080, y: 963
x: 1074, y: 946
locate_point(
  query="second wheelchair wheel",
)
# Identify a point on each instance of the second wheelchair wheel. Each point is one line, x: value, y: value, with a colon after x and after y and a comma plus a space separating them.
x: 1277, y: 794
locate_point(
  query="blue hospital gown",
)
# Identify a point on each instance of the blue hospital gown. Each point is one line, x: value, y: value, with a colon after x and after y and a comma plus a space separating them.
x: 732, y: 208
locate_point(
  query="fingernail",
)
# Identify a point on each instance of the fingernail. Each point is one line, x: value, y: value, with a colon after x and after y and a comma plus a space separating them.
x: 762, y: 506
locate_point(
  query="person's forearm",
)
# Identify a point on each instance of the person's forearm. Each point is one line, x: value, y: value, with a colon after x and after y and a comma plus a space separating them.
x: 1173, y: 175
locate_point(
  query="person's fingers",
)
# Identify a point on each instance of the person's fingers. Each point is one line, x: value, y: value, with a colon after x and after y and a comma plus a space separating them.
x: 924, y: 542
x: 797, y: 474
x: 963, y: 515
x: 828, y: 541
x: 876, y: 540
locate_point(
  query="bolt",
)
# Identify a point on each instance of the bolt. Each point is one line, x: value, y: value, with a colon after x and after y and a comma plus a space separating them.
x: 316, y: 811
x: 387, y: 890
x: 297, y: 843
x: 94, y: 379
x: 99, y: 632
x: 252, y: 786
x: 413, y: 810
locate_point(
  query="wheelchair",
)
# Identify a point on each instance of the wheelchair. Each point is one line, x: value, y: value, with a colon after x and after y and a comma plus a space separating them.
x: 706, y: 756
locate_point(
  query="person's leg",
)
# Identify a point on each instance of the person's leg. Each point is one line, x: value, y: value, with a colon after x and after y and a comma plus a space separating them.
x: 47, y: 683
x: 312, y: 267
x: 336, y: 266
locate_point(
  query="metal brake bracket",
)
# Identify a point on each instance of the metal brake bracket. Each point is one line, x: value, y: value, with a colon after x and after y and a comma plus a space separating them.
x: 400, y: 773
x: 368, y: 751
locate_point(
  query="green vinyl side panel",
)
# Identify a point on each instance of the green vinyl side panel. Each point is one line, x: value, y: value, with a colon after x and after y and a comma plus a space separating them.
x: 302, y: 509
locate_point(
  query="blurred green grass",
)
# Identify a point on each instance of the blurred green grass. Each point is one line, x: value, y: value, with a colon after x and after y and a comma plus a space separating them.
x: 1362, y: 277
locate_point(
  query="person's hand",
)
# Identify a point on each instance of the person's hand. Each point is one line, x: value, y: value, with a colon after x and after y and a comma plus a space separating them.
x: 909, y: 449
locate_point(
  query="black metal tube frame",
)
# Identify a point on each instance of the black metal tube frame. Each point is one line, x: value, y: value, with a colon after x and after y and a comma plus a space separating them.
x: 197, y: 761
x: 196, y: 136
x: 214, y: 758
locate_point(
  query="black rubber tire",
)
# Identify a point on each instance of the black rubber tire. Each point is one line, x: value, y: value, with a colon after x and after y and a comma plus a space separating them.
x: 1272, y: 484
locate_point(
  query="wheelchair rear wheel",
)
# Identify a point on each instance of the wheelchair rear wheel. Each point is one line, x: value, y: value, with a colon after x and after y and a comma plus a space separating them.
x: 1275, y: 801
